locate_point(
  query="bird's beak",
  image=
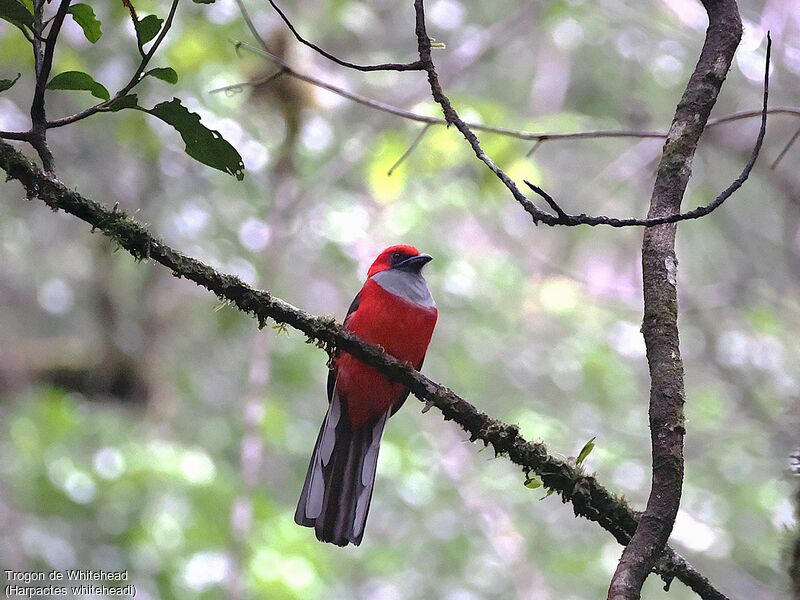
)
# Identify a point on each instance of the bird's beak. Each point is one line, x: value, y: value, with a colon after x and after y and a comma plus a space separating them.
x: 414, y: 263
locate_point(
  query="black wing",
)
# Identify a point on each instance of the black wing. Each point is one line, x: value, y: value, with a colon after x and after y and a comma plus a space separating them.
x: 402, y: 400
x: 332, y: 372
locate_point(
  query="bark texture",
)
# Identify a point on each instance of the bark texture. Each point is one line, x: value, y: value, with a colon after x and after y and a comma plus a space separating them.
x: 660, y: 324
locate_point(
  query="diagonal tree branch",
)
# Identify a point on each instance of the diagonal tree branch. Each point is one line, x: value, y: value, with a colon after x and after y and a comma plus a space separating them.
x: 589, y: 498
x: 660, y: 323
x: 452, y: 117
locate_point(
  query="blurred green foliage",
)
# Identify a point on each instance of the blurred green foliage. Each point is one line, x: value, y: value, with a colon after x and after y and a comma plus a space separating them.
x: 187, y: 475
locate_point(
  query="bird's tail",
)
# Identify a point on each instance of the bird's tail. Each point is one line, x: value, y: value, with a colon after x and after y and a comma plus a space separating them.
x: 338, y: 486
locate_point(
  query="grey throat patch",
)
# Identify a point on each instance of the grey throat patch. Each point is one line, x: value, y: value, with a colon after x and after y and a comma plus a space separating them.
x: 408, y: 286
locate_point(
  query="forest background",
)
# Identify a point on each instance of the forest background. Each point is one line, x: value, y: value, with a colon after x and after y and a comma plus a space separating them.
x: 146, y: 426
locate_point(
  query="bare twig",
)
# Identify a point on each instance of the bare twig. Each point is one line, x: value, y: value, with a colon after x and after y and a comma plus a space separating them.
x: 660, y: 322
x: 700, y: 211
x: 503, y: 131
x: 452, y: 118
x: 21, y: 136
x: 409, y: 150
x: 250, y: 25
x: 237, y: 87
x: 786, y: 149
x: 588, y: 497
x: 534, y: 148
x: 412, y: 66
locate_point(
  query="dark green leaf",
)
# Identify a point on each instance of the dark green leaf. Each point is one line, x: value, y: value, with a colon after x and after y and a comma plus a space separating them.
x: 167, y: 74
x: 129, y: 101
x: 148, y: 28
x: 585, y: 451
x: 202, y: 144
x: 78, y: 80
x: 15, y: 12
x: 84, y: 16
x: 6, y: 84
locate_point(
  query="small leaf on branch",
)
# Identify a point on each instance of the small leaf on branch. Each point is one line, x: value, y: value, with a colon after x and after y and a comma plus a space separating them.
x: 148, y: 28
x: 84, y: 16
x: 167, y: 74
x: 533, y: 482
x: 202, y: 144
x: 547, y: 495
x: 6, y: 84
x: 129, y: 101
x: 16, y: 13
x: 585, y: 451
x: 78, y: 80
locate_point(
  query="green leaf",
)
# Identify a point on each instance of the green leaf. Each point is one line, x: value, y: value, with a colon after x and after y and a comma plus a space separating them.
x: 547, y: 495
x: 83, y: 15
x: 202, y: 144
x: 167, y: 74
x: 78, y: 80
x: 533, y: 482
x: 16, y: 13
x: 129, y: 101
x: 148, y: 28
x: 6, y: 84
x: 585, y: 451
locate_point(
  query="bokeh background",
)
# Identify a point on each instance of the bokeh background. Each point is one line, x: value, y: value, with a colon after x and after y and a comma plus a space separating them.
x: 144, y: 426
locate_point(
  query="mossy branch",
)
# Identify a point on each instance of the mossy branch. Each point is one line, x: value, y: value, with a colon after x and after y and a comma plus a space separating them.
x: 588, y: 497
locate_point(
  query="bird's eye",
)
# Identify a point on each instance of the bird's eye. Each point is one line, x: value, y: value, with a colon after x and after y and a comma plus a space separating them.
x: 396, y: 257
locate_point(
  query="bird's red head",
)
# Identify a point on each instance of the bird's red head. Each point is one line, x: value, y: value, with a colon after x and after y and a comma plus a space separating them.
x: 400, y: 256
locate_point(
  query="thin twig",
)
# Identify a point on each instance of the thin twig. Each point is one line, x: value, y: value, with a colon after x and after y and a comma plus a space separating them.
x: 452, y: 118
x: 786, y: 148
x: 534, y: 148
x: 409, y: 150
x: 412, y: 66
x: 250, y: 25
x: 589, y: 498
x: 237, y: 87
x: 504, y: 131
x: 700, y: 211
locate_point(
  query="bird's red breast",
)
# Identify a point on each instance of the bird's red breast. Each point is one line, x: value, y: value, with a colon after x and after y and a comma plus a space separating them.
x: 403, y: 329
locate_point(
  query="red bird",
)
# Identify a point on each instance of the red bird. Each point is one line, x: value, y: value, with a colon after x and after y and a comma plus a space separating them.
x: 395, y: 310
